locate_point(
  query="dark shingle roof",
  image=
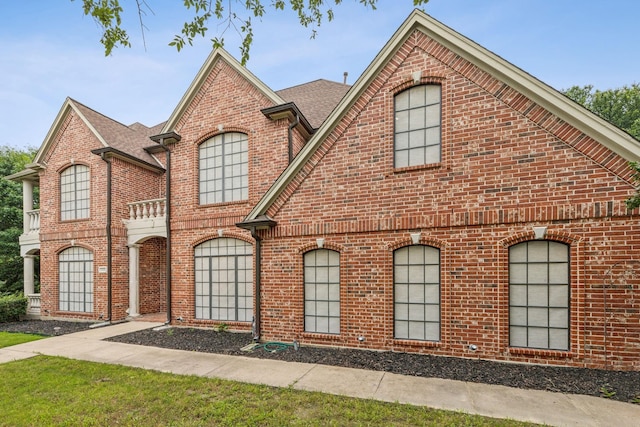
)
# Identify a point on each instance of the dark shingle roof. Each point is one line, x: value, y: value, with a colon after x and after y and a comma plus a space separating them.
x: 316, y: 99
x: 130, y: 140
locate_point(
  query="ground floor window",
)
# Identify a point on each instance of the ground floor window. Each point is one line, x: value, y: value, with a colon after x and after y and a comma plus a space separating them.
x: 224, y: 280
x: 416, y: 282
x: 322, y: 291
x: 76, y: 280
x: 539, y: 295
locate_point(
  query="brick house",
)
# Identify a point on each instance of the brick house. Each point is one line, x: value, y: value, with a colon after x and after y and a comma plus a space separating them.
x: 447, y: 203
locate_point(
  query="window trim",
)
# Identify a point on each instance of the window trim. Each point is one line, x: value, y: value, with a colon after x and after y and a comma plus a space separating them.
x: 329, y: 332
x: 219, y: 138
x: 568, y: 328
x: 428, y: 82
x: 85, y: 270
x: 236, y: 295
x: 439, y: 304
x: 75, y: 199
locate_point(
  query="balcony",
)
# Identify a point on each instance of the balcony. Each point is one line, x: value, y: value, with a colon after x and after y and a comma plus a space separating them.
x: 147, y: 218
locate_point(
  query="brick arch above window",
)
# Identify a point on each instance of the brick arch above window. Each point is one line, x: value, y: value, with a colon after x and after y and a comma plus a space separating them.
x: 308, y: 247
x: 424, y: 80
x: 553, y: 235
x: 75, y: 245
x: 227, y: 234
x: 424, y: 240
x: 230, y: 129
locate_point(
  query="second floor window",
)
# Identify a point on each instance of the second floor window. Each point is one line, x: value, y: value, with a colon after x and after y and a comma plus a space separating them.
x: 74, y: 193
x: 417, y: 126
x: 224, y: 169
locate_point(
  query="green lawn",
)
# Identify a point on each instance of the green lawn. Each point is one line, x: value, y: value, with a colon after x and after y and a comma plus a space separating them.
x: 46, y: 391
x: 8, y: 339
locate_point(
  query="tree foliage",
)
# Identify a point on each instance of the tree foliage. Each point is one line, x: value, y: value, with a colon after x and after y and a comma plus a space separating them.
x: 11, y: 161
x: 620, y: 107
x: 229, y: 14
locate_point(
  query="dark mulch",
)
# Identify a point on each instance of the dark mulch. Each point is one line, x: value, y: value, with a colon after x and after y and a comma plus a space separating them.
x: 626, y: 385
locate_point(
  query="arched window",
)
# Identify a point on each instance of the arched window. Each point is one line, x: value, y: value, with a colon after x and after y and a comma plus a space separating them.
x: 322, y: 291
x: 74, y: 193
x: 417, y: 126
x: 75, y: 266
x: 539, y: 295
x: 224, y: 168
x: 416, y: 295
x: 224, y: 280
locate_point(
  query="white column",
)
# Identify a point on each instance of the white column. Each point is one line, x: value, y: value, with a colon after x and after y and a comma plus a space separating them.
x: 28, y: 273
x: 27, y: 204
x: 134, y: 280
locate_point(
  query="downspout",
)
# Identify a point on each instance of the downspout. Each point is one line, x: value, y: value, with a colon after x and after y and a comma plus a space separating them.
x: 168, y: 226
x: 295, y: 123
x: 109, y: 239
x: 257, y: 320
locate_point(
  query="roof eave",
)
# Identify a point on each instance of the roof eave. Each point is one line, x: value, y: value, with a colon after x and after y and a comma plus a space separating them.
x: 112, y: 152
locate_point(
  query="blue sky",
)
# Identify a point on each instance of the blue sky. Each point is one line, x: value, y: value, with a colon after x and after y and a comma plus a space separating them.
x: 50, y: 50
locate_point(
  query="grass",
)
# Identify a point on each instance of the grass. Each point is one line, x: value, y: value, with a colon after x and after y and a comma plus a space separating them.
x: 56, y: 391
x: 7, y: 339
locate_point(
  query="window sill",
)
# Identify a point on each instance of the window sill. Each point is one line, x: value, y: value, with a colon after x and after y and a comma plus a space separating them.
x: 418, y: 167
x: 405, y: 343
x: 67, y: 221
x: 559, y: 354
x: 221, y: 204
x: 321, y: 336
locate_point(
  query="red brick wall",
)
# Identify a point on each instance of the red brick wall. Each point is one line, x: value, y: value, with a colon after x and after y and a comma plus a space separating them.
x: 506, y: 165
x: 153, y: 291
x: 227, y: 100
x: 73, y: 144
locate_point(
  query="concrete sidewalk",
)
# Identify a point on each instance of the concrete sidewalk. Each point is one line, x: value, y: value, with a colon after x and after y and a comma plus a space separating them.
x: 490, y: 400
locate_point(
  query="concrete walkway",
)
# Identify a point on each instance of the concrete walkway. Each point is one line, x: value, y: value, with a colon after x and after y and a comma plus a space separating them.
x: 490, y: 400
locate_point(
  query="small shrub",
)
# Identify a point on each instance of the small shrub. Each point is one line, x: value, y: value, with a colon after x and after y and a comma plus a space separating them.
x: 12, y: 307
x: 222, y: 327
x: 607, y: 392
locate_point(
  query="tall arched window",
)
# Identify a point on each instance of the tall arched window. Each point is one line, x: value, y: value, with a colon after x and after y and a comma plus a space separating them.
x: 539, y: 295
x: 224, y: 280
x: 74, y: 193
x: 416, y: 284
x: 224, y: 168
x: 417, y: 126
x: 322, y: 291
x: 75, y: 267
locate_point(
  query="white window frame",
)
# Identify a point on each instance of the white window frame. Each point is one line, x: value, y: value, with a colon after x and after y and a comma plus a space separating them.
x: 223, y: 168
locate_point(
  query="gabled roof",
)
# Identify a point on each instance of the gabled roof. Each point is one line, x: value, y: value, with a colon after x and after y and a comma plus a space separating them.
x: 128, y: 140
x: 571, y: 112
x: 213, y: 58
x: 316, y: 99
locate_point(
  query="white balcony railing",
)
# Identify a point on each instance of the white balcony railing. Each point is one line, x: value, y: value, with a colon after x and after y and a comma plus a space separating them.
x: 34, y: 222
x: 147, y: 209
x: 34, y: 304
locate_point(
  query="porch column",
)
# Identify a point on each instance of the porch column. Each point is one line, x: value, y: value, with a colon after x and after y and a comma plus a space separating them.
x: 27, y: 205
x: 28, y: 273
x: 134, y: 280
